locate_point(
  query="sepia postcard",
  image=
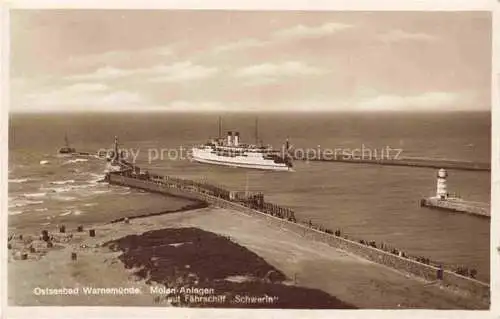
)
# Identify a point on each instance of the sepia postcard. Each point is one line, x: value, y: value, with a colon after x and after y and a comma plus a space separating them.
x: 181, y: 159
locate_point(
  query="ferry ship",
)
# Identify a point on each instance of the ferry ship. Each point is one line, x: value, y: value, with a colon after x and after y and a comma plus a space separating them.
x: 230, y: 152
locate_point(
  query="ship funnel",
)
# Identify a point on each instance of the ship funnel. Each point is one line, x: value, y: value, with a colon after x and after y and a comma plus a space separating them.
x: 229, y: 138
x: 236, y: 138
x: 441, y: 189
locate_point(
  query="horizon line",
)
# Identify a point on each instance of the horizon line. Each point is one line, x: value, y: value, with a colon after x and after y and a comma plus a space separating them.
x: 246, y: 111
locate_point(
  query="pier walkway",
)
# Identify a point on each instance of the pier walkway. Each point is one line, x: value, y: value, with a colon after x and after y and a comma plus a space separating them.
x: 458, y: 205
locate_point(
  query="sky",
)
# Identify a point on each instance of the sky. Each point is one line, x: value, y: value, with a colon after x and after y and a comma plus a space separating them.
x: 218, y: 61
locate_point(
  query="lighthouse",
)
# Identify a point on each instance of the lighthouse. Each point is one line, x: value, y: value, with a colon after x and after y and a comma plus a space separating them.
x: 441, y: 190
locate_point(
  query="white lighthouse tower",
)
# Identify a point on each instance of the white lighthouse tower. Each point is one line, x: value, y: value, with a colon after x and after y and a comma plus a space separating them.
x: 441, y: 189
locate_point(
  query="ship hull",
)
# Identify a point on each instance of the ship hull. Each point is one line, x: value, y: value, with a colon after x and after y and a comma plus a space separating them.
x: 235, y: 162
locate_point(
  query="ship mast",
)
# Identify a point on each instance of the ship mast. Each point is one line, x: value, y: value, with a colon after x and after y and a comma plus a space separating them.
x: 220, y: 128
x: 117, y: 156
x: 66, y: 140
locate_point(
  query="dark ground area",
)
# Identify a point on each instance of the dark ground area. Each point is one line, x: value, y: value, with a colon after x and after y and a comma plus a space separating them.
x: 191, y: 257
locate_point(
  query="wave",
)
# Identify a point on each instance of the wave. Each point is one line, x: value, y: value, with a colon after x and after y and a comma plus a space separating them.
x: 90, y: 204
x: 64, y: 155
x: 65, y: 188
x: 65, y: 198
x: 102, y: 191
x: 41, y: 209
x: 76, y: 160
x: 83, y: 186
x: 69, y: 181
x: 35, y: 195
x: 16, y: 212
x: 71, y: 212
x: 44, y: 162
x: 56, y: 190
x: 19, y: 180
x: 96, y: 178
x: 23, y: 203
x: 97, y: 175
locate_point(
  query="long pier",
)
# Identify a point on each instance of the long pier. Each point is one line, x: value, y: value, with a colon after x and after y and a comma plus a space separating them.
x: 404, y: 161
x: 253, y: 204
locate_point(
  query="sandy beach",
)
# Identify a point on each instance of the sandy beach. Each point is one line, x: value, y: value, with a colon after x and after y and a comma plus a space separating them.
x: 315, y: 267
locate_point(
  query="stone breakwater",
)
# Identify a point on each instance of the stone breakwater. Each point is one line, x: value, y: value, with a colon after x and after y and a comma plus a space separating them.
x: 426, y: 271
x: 394, y: 160
x: 458, y: 205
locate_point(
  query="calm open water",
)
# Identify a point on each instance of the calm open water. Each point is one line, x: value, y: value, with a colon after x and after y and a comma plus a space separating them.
x: 369, y: 202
